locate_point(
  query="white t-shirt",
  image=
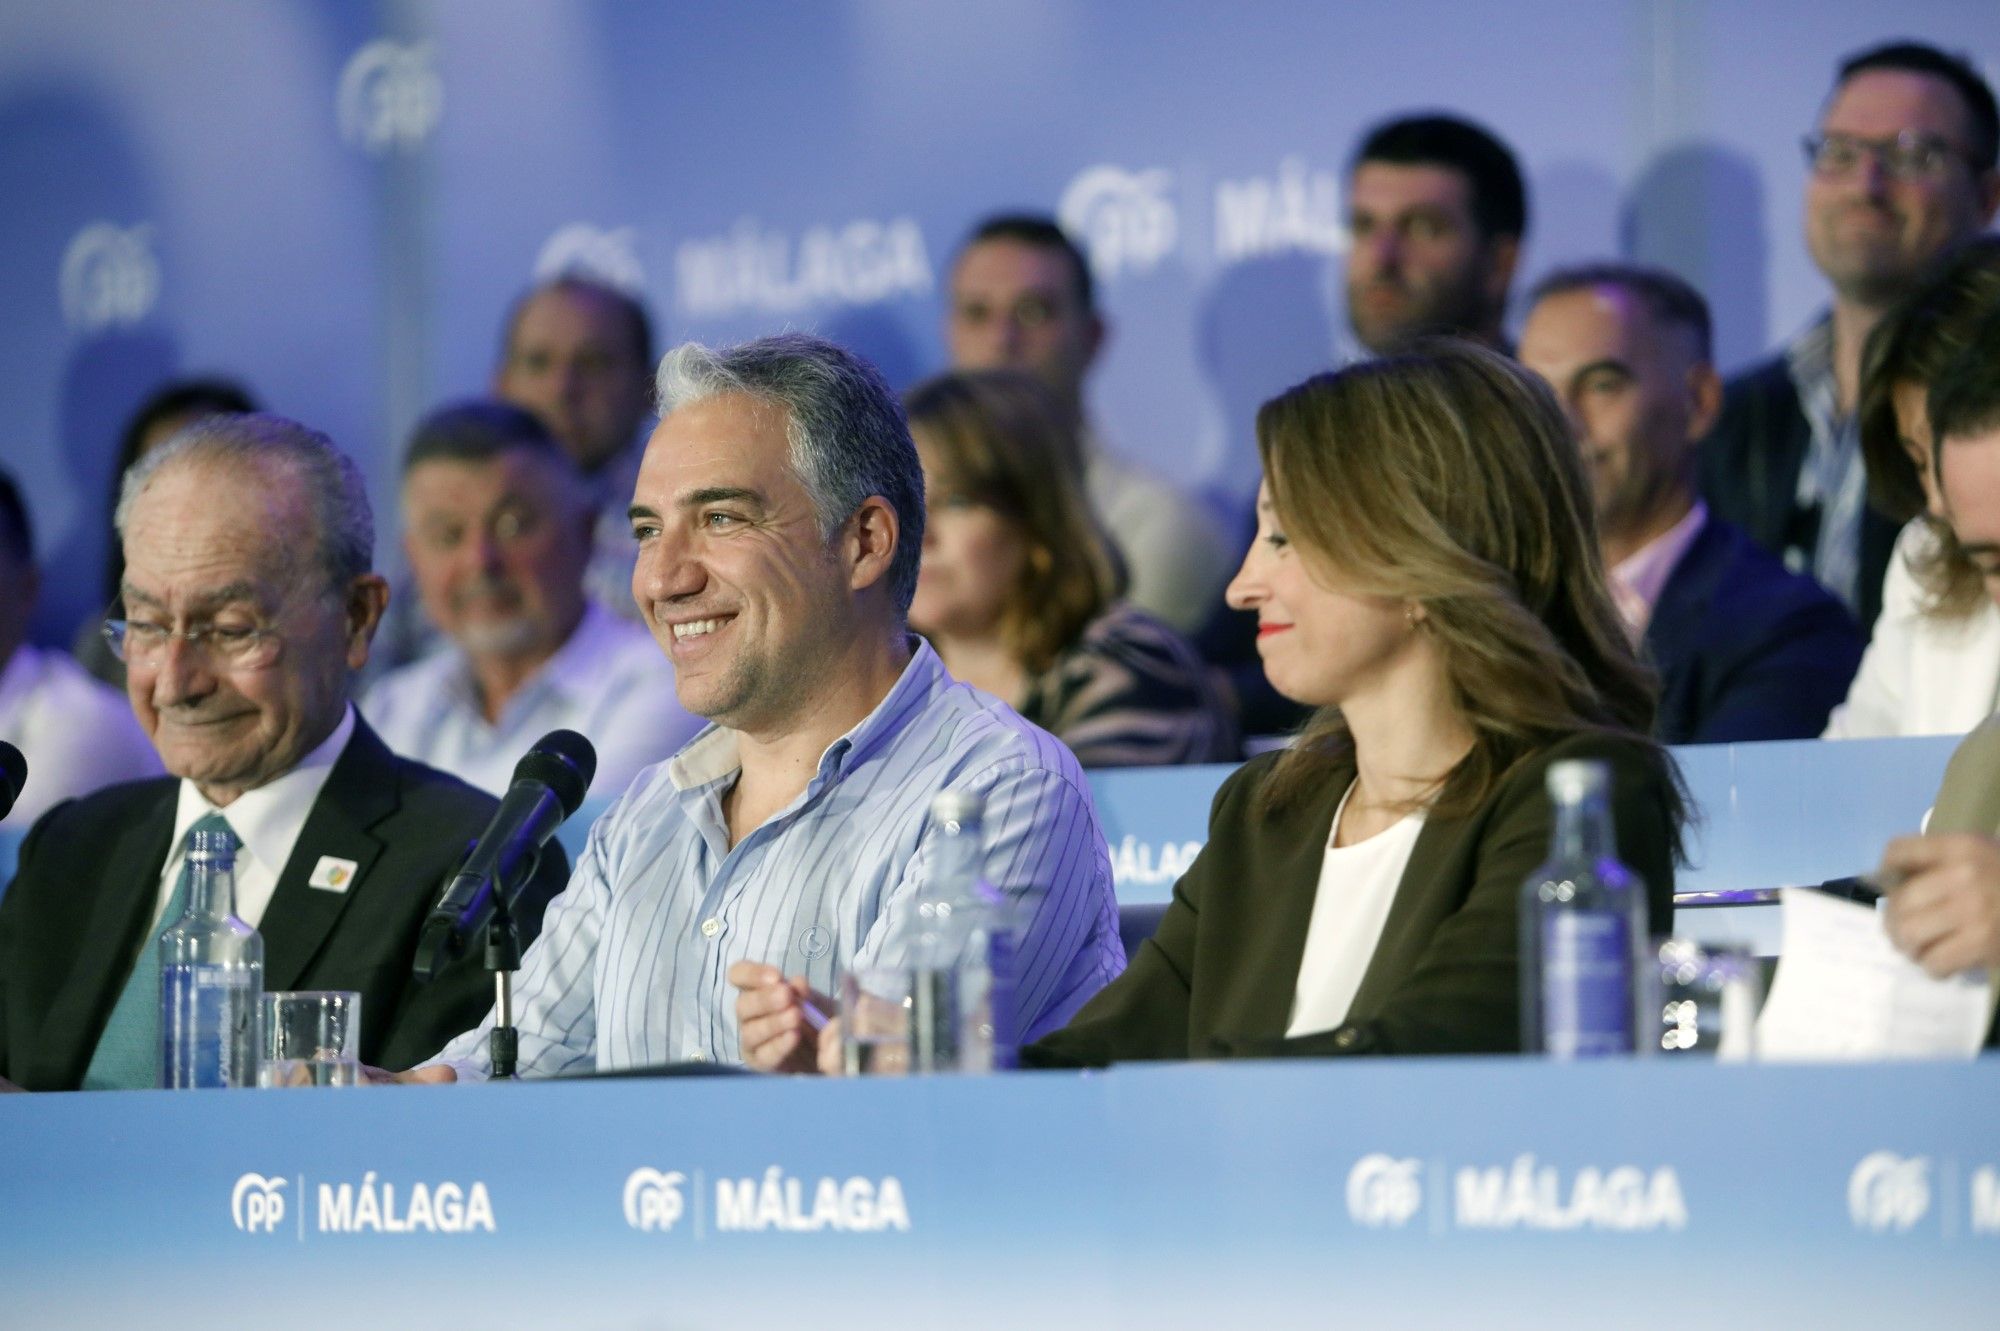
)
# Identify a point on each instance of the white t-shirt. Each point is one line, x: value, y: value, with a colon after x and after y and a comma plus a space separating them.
x: 1357, y: 885
x: 77, y: 734
x: 1922, y: 674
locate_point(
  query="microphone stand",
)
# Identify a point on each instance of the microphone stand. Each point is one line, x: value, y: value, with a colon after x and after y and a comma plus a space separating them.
x: 503, y: 958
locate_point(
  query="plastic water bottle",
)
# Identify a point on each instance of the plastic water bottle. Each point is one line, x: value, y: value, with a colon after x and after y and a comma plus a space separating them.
x: 1583, y: 927
x: 211, y: 974
x: 961, y: 1004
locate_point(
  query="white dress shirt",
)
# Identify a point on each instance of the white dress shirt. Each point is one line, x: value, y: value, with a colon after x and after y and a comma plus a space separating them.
x: 266, y: 820
x: 77, y: 734
x: 610, y: 683
x: 1357, y: 885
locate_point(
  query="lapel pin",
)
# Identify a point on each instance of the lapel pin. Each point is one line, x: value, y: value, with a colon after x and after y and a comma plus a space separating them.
x: 332, y: 874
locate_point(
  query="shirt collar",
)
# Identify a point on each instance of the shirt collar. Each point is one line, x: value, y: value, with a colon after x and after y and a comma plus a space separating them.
x: 1638, y: 579
x: 714, y: 755
x: 1809, y: 356
x: 267, y: 820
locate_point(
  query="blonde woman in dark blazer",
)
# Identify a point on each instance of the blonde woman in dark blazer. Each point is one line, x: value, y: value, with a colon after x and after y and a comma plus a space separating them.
x: 1425, y: 574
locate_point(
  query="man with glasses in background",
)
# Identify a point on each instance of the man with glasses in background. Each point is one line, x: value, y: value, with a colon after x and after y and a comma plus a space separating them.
x: 248, y: 585
x: 1901, y: 172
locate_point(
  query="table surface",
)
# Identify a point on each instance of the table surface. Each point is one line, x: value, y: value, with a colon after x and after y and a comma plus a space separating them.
x: 1448, y: 1192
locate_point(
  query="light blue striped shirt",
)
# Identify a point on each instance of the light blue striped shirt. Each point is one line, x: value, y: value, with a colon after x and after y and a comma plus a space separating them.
x: 630, y: 968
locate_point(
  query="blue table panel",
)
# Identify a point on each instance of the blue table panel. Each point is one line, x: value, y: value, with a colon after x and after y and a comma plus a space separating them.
x: 1785, y: 812
x: 1420, y: 1193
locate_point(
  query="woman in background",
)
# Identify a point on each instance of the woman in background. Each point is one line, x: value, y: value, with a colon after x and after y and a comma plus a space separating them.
x: 1020, y: 585
x: 1933, y: 662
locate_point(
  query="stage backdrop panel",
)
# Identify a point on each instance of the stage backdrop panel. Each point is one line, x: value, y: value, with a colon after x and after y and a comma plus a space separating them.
x: 336, y: 201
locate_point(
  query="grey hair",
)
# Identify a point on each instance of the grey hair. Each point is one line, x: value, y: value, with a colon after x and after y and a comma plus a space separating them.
x: 329, y: 482
x: 846, y: 431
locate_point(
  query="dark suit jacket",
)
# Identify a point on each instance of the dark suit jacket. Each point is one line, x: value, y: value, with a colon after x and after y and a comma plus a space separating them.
x: 1745, y: 648
x: 1219, y: 975
x: 1750, y: 475
x: 88, y: 883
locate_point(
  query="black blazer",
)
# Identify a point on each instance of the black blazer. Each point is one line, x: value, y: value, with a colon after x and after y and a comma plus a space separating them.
x: 1750, y: 466
x: 1745, y: 648
x: 84, y: 895
x: 1219, y: 975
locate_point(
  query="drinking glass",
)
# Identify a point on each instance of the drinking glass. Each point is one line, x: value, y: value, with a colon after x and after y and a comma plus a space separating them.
x: 309, y: 1038
x: 1709, y: 995
x: 875, y: 1007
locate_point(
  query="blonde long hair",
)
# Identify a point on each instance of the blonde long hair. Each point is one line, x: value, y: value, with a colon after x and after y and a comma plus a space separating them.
x: 1447, y: 477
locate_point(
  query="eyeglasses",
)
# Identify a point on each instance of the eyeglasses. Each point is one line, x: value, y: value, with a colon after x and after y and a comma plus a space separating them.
x: 507, y: 526
x: 137, y: 642
x: 1908, y: 156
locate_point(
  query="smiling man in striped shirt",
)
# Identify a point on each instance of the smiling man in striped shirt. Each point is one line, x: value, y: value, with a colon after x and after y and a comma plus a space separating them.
x: 779, y: 512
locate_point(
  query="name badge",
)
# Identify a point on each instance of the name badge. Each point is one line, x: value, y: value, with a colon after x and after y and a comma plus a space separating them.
x: 332, y: 875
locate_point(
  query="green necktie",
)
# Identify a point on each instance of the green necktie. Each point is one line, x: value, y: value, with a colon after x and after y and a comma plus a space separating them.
x: 128, y: 1053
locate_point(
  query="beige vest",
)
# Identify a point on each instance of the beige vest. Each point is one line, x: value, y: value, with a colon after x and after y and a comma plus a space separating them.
x: 1969, y: 798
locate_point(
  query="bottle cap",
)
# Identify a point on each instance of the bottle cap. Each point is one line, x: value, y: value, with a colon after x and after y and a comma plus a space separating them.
x: 212, y: 847
x: 955, y: 808
x: 1575, y: 778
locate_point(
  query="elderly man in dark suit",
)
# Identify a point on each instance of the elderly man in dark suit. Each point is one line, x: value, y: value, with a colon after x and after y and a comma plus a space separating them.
x: 1745, y: 649
x: 248, y: 544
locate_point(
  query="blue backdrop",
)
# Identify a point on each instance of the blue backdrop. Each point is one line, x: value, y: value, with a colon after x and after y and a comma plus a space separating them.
x: 336, y: 201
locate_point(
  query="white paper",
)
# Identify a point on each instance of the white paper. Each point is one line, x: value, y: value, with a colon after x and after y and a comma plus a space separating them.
x: 1844, y: 992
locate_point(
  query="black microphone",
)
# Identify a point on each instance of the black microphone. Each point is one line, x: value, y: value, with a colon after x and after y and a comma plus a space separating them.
x: 13, y: 776
x: 548, y: 785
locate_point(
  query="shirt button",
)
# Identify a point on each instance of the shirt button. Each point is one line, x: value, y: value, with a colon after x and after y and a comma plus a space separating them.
x: 711, y: 927
x: 697, y: 1058
x: 1346, y: 1038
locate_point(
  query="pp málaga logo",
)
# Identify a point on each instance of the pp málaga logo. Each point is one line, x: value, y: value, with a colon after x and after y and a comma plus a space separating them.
x: 603, y: 255
x: 390, y: 96
x: 1888, y: 1193
x: 653, y: 1200
x: 1384, y: 1192
x: 1124, y: 218
x: 109, y: 277
x: 257, y: 1204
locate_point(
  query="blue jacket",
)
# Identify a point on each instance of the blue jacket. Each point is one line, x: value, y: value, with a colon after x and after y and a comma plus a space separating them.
x: 1745, y: 648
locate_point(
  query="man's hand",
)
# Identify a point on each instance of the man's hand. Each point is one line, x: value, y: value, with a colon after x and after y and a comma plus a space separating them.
x: 435, y: 1076
x: 832, y: 1059
x: 780, y: 1018
x: 1944, y: 908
